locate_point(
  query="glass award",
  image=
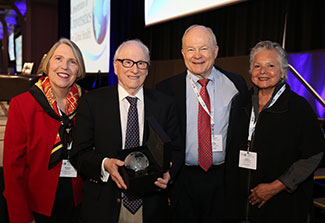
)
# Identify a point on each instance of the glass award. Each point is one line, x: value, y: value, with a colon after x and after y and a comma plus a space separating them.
x: 138, y: 162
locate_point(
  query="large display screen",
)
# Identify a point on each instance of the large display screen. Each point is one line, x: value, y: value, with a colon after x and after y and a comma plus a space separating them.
x: 90, y: 30
x: 19, y: 53
x: 11, y: 47
x: 162, y: 10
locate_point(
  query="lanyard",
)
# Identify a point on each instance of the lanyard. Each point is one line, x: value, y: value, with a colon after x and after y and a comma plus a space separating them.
x: 202, y: 103
x: 252, y: 122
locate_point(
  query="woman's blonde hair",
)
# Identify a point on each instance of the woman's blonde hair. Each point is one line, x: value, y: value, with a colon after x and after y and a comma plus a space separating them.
x: 76, y: 51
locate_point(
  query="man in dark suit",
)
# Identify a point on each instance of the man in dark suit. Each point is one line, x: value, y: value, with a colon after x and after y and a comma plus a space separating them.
x: 208, y: 99
x: 100, y: 133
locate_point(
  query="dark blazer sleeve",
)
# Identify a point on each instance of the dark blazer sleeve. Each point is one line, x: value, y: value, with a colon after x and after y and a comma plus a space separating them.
x: 83, y: 155
x: 97, y: 133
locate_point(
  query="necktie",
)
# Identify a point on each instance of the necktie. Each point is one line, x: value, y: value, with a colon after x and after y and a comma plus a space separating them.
x: 132, y: 202
x: 204, y: 129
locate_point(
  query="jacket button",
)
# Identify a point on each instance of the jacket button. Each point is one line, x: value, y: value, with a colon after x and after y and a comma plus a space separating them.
x: 118, y: 200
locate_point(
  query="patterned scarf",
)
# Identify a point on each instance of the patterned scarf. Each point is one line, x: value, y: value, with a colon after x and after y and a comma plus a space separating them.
x: 63, y: 137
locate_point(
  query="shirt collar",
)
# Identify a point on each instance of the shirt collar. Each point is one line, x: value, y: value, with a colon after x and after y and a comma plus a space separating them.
x: 122, y: 93
x: 211, y: 77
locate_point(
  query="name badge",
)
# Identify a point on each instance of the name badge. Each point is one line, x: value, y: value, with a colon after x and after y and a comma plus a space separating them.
x: 67, y: 170
x: 217, y: 143
x: 247, y: 159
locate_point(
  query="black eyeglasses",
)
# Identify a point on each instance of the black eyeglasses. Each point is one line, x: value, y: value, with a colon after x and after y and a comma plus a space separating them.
x: 128, y: 63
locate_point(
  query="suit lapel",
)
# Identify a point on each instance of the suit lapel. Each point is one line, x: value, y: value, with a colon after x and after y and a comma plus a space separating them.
x: 113, y: 119
x: 148, y: 111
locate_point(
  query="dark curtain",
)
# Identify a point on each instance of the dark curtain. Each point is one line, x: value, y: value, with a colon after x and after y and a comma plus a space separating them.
x: 64, y: 19
x: 238, y: 27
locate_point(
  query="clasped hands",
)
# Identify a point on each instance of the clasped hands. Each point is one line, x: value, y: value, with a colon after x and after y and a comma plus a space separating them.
x: 111, y: 165
x: 263, y: 192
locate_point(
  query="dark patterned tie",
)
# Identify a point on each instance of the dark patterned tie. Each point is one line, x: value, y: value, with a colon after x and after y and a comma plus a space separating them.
x: 131, y: 202
x: 204, y: 129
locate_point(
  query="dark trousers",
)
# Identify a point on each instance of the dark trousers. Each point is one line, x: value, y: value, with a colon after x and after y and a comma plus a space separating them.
x: 200, y: 195
x: 64, y: 210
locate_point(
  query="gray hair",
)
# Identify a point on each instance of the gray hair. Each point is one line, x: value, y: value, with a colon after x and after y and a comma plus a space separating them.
x: 213, y: 37
x: 135, y: 41
x: 268, y: 45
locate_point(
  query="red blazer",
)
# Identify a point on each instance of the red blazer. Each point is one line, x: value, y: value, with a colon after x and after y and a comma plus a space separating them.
x: 29, y: 137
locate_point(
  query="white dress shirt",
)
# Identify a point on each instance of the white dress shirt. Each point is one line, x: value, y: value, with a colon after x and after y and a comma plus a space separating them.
x: 124, y: 108
x: 221, y: 92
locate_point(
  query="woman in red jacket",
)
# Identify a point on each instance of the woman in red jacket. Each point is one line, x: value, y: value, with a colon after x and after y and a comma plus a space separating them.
x: 40, y: 183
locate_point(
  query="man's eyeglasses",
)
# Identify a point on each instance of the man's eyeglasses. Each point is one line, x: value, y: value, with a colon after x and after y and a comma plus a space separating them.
x: 127, y: 63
